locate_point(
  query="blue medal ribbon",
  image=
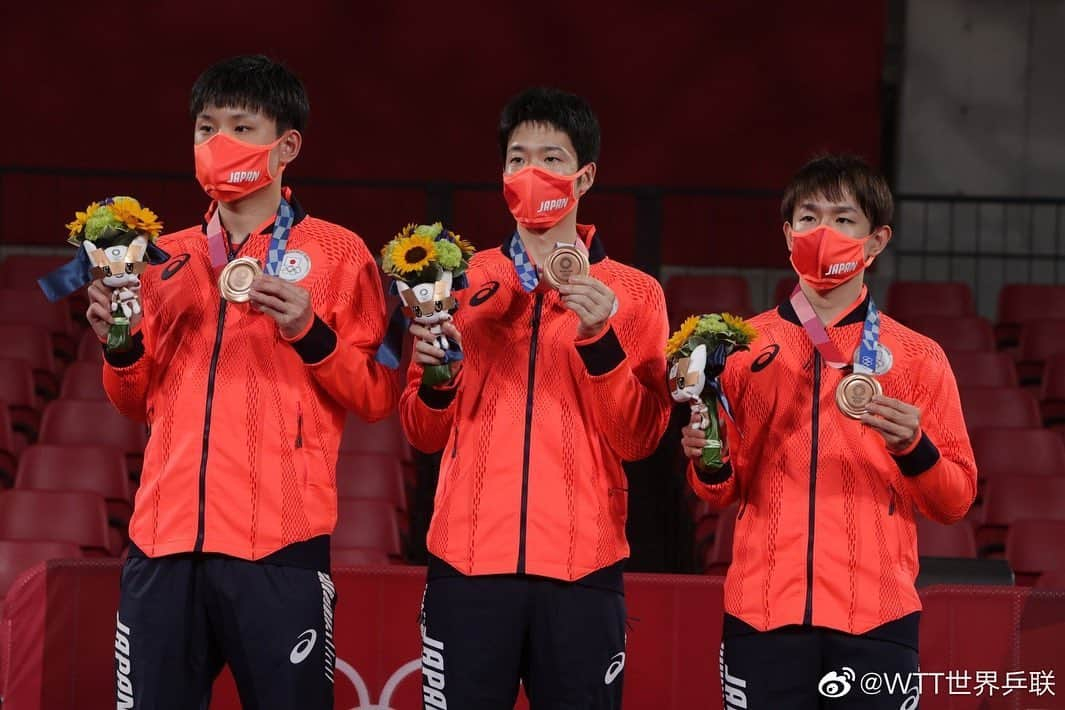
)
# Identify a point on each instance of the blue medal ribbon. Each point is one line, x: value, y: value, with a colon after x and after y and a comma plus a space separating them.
x: 865, y: 360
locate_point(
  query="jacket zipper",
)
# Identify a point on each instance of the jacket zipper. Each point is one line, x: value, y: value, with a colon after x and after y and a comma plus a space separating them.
x: 808, y: 614
x: 222, y: 303
x: 891, y: 504
x: 533, y: 341
x: 299, y: 425
x: 207, y: 423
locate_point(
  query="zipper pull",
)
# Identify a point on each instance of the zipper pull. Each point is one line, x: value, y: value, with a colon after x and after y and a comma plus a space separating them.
x: 299, y: 425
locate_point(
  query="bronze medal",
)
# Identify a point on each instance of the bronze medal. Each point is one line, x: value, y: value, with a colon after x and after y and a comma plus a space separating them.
x: 235, y: 280
x: 564, y: 263
x: 855, y: 392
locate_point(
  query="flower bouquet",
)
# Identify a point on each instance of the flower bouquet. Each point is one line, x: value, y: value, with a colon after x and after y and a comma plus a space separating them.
x: 428, y: 263
x: 696, y: 354
x: 117, y: 242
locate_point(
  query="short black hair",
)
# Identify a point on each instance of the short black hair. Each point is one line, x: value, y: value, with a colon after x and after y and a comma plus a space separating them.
x: 255, y: 83
x: 568, y: 113
x: 832, y: 175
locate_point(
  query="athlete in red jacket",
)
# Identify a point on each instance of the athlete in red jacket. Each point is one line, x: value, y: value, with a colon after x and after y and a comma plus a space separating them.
x: 821, y: 587
x: 246, y: 402
x: 557, y: 388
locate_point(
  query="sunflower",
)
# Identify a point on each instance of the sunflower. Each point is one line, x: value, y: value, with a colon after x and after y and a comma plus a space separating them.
x: 148, y: 223
x: 135, y: 217
x: 80, y: 219
x: 680, y: 338
x: 466, y: 247
x: 413, y: 253
x: 743, y: 333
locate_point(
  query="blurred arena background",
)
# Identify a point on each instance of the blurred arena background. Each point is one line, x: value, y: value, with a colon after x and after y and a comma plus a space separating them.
x: 707, y: 108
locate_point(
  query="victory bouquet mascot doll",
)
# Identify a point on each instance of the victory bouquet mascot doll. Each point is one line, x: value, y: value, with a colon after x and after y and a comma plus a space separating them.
x: 428, y: 263
x: 117, y: 242
x: 696, y: 354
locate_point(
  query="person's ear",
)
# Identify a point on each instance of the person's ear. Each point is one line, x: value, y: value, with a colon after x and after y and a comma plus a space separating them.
x: 586, y: 180
x: 289, y: 147
x: 878, y: 241
x: 789, y: 237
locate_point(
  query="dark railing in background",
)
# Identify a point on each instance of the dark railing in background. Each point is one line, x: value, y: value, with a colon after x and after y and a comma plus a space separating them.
x: 985, y: 240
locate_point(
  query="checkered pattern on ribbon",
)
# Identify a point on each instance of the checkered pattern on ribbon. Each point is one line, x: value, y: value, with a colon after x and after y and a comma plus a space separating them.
x: 527, y: 273
x: 866, y: 361
x: 279, y: 239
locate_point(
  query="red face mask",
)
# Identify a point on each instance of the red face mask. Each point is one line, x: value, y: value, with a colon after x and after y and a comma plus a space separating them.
x: 539, y: 198
x: 826, y: 258
x: 229, y: 169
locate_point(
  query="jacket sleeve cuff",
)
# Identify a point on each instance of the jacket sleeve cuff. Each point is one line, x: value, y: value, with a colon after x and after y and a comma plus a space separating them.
x: 603, y: 354
x: 713, y: 478
x: 317, y: 343
x: 436, y: 398
x: 129, y: 357
x: 919, y: 459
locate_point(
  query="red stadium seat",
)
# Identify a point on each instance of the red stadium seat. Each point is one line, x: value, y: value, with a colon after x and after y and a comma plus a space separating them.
x: 28, y: 306
x: 693, y: 295
x: 89, y: 349
x: 719, y: 555
x: 1052, y: 395
x: 16, y: 383
x: 1034, y: 547
x: 1054, y: 579
x: 968, y: 333
x: 383, y: 437
x: 17, y: 389
x: 22, y: 270
x: 1040, y: 339
x: 1004, y: 453
x: 784, y: 289
x: 1020, y: 303
x: 939, y: 299
x: 91, y: 423
x: 938, y: 540
x: 983, y: 369
x: 70, y: 516
x: 371, y: 476
x: 83, y: 380
x: 367, y: 523
x: 17, y: 556
x: 1019, y: 498
x: 9, y: 448
x: 999, y: 407
x: 33, y: 344
x: 357, y: 556
x: 97, y: 469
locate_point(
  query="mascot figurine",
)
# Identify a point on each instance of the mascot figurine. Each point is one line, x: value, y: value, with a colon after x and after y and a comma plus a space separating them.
x: 116, y: 242
x: 697, y: 354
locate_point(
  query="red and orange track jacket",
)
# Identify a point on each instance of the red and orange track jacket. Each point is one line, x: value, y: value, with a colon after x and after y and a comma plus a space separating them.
x: 535, y: 429
x: 825, y: 533
x: 245, y: 426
